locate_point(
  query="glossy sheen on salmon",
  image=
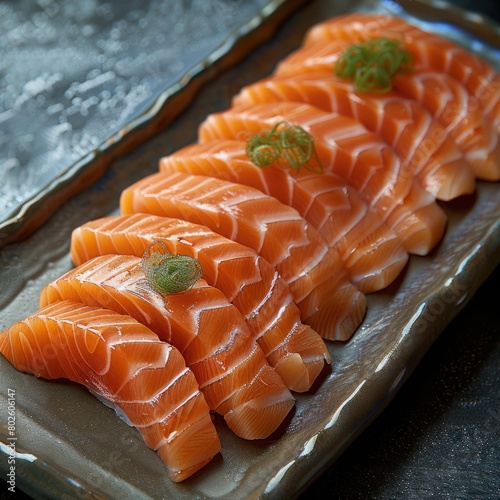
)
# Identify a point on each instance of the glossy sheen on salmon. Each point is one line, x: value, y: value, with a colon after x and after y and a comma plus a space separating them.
x: 313, y: 271
x: 347, y: 149
x: 293, y: 349
x: 372, y: 253
x: 428, y: 50
x: 403, y: 124
x: 444, y: 97
x: 124, y: 362
x: 210, y: 333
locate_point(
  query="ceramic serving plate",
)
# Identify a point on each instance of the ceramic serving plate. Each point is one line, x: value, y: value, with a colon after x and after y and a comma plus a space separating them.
x: 68, y: 445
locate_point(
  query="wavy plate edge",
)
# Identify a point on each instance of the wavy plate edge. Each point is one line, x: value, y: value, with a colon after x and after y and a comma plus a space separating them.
x: 299, y: 473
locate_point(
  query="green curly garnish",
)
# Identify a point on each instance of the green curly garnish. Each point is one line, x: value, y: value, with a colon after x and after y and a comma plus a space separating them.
x: 287, y: 146
x: 373, y: 63
x: 168, y: 273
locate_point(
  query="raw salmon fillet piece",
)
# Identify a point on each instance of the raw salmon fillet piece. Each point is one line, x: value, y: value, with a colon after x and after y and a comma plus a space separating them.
x: 453, y: 109
x: 124, y: 362
x: 372, y: 253
x: 313, y: 271
x: 456, y: 112
x: 345, y: 148
x: 428, y: 50
x: 403, y: 124
x: 208, y: 331
x: 293, y: 349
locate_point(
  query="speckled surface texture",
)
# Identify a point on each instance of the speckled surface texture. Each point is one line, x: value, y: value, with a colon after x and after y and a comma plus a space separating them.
x: 79, y: 78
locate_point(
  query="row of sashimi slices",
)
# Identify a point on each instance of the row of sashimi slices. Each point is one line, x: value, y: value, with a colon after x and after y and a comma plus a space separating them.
x: 286, y: 257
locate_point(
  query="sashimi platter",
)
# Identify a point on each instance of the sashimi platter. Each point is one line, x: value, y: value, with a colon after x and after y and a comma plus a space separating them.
x: 226, y: 321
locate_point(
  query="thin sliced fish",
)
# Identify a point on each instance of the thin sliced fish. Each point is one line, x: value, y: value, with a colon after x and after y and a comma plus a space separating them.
x: 372, y: 253
x: 313, y: 271
x: 208, y: 331
x: 347, y: 149
x: 125, y: 363
x: 449, y: 102
x: 431, y: 51
x: 249, y: 282
x: 403, y: 124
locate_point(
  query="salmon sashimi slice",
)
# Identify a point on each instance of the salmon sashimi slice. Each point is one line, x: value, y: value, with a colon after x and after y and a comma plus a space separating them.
x: 457, y: 114
x: 125, y: 363
x: 249, y: 282
x: 208, y: 331
x: 372, y: 253
x: 313, y: 271
x: 403, y: 124
x: 347, y: 149
x: 443, y: 96
x: 428, y: 50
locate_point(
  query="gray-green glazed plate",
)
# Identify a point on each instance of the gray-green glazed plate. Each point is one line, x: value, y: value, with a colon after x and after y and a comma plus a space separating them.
x: 69, y: 445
